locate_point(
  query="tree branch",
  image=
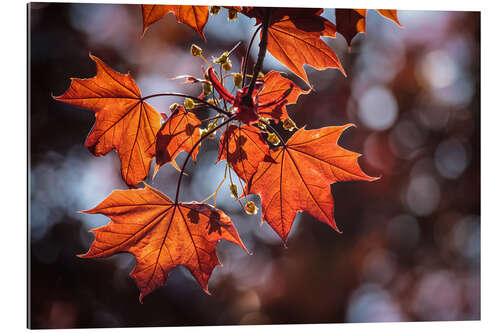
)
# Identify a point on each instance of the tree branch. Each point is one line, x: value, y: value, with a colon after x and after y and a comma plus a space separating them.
x: 248, y: 53
x: 191, y: 152
x: 262, y: 54
x: 216, y: 108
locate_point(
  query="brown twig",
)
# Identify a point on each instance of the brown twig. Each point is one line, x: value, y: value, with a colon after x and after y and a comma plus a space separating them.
x: 262, y: 53
x: 191, y: 152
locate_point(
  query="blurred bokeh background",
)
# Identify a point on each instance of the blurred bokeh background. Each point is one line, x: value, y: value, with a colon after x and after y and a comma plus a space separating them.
x: 410, y: 248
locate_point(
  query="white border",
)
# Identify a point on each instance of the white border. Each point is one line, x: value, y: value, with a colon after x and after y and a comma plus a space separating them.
x: 13, y: 167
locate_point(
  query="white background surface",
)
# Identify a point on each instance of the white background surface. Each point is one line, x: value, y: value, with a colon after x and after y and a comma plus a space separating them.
x: 13, y: 159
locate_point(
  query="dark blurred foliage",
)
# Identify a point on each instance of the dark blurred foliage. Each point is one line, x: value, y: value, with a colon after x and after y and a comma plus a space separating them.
x: 410, y: 243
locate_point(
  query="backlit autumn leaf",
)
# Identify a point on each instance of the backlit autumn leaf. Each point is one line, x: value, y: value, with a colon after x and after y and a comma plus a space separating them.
x: 297, y: 177
x: 295, y: 38
x: 243, y: 148
x: 350, y: 22
x: 275, y: 85
x: 391, y: 14
x: 123, y: 121
x: 179, y: 132
x: 194, y: 16
x: 161, y: 235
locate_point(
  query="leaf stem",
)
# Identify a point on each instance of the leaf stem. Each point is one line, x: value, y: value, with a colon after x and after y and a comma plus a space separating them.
x: 191, y: 152
x: 212, y: 118
x: 227, y: 113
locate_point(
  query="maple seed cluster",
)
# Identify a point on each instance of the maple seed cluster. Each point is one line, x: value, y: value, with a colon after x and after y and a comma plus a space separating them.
x: 224, y: 61
x: 237, y: 80
x: 189, y: 103
x: 250, y: 208
x: 245, y: 125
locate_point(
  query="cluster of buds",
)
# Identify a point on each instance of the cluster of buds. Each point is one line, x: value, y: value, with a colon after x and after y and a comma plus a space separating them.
x: 245, y: 107
x: 263, y: 121
x: 224, y: 61
x: 289, y: 125
x: 238, y: 79
x: 273, y: 139
x: 207, y: 88
x: 189, y: 104
x: 196, y: 51
x: 210, y: 127
x: 251, y: 208
x: 173, y: 107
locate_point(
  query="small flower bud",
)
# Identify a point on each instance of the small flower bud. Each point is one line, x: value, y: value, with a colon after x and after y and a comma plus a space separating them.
x: 211, y: 126
x: 262, y: 123
x: 260, y: 75
x: 188, y: 103
x: 232, y: 15
x: 238, y: 79
x: 250, y: 208
x: 214, y: 10
x: 234, y: 190
x: 196, y: 51
x: 174, y: 107
x: 222, y: 59
x: 289, y: 124
x: 273, y: 139
x: 207, y: 88
x: 227, y: 65
x: 211, y: 101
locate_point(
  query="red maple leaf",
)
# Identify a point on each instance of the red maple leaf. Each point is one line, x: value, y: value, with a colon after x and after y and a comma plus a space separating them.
x: 350, y: 22
x: 194, y: 16
x: 179, y: 132
x: 297, y: 176
x: 295, y: 38
x: 123, y: 120
x: 243, y: 147
x: 161, y: 235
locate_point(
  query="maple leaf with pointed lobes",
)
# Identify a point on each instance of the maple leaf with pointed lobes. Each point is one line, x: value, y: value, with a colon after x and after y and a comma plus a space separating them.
x: 123, y: 121
x: 194, y: 16
x: 179, y: 132
x: 161, y: 235
x: 243, y: 148
x: 297, y: 177
x: 275, y: 85
x: 294, y: 38
x: 350, y: 22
